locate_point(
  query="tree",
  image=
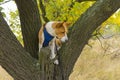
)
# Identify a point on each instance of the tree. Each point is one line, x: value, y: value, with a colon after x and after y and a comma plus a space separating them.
x: 21, y: 62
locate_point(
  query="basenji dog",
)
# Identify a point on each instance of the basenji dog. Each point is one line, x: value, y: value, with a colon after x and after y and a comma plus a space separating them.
x: 53, y: 34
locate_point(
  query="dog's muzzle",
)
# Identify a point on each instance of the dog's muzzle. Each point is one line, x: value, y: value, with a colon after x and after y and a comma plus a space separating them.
x: 64, y: 39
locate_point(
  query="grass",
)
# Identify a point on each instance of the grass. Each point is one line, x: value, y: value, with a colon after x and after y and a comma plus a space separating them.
x: 101, y: 62
x: 4, y: 75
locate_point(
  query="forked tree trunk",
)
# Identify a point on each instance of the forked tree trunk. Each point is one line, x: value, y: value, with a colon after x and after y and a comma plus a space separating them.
x: 21, y: 66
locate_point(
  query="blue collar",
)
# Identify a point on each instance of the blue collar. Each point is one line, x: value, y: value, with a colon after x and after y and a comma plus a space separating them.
x: 48, y: 37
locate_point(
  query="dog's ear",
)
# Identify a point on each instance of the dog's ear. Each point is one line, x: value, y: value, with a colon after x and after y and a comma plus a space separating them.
x: 59, y: 24
x: 66, y: 24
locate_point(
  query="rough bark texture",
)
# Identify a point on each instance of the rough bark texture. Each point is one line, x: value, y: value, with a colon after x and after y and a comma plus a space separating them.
x: 22, y: 66
x: 30, y: 24
x: 82, y: 31
x: 13, y: 57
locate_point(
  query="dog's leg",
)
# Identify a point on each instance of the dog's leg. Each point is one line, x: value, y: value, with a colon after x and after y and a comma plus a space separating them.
x: 40, y: 46
x: 53, y: 55
x: 41, y: 40
x: 56, y: 62
x: 58, y: 48
x: 52, y: 48
x: 58, y: 44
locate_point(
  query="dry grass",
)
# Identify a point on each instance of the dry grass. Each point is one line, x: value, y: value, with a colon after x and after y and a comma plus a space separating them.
x: 4, y: 75
x: 99, y: 62
x: 96, y: 63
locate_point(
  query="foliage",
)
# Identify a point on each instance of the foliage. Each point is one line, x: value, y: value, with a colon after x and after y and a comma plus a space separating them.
x: 114, y: 19
x: 15, y: 25
x: 62, y: 10
x: 65, y: 10
x: 1, y: 0
x: 112, y: 25
x: 56, y: 10
x: 13, y: 21
x: 1, y: 8
x: 4, y: 15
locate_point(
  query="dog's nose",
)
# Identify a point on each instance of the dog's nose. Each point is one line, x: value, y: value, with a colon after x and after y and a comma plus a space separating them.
x: 66, y: 39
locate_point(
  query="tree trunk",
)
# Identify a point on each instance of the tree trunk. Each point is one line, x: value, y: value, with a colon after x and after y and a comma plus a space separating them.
x: 81, y: 32
x: 18, y: 63
x: 30, y: 25
x: 22, y: 66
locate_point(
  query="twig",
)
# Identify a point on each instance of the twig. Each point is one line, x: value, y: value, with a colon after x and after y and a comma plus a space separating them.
x: 5, y: 2
x: 43, y: 11
x: 84, y: 0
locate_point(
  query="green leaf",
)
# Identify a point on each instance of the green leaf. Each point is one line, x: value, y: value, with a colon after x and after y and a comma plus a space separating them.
x: 1, y: 0
x: 1, y: 8
x: 4, y: 15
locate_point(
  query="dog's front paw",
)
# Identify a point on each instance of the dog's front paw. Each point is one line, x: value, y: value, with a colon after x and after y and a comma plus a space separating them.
x: 58, y: 48
x: 52, y: 56
x: 56, y: 62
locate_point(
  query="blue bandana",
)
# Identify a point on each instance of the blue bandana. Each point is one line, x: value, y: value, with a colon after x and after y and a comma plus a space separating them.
x: 47, y: 37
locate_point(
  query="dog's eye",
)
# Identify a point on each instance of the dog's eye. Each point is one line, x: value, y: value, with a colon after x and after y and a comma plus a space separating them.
x: 63, y: 32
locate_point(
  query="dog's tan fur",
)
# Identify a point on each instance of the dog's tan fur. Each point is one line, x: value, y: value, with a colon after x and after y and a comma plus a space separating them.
x: 56, y: 29
x: 40, y: 34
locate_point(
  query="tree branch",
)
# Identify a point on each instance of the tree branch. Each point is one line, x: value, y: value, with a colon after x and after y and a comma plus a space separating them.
x: 43, y: 12
x: 82, y: 31
x: 5, y: 2
x: 30, y: 24
x: 13, y: 57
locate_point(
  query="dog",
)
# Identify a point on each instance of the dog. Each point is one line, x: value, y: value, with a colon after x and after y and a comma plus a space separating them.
x: 53, y: 34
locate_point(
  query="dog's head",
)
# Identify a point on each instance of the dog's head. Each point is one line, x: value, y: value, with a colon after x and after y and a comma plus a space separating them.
x: 61, y: 30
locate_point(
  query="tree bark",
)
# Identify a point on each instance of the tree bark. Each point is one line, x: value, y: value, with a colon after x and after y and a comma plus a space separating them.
x: 78, y: 37
x: 30, y: 25
x: 81, y: 32
x: 18, y: 63
x: 22, y: 66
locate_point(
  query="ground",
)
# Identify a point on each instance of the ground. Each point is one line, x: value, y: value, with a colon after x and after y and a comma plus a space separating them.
x: 99, y: 62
